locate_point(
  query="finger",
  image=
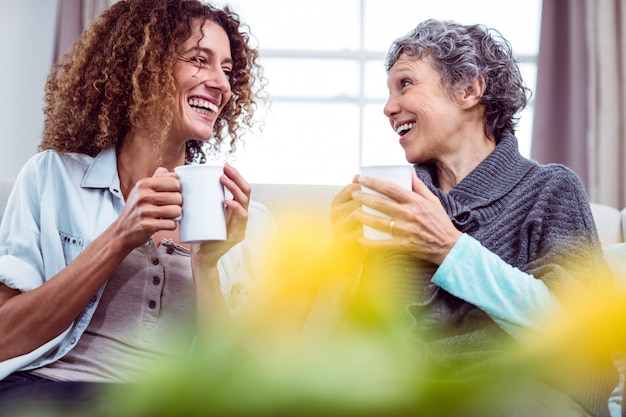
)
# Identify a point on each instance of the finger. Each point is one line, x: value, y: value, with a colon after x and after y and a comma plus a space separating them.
x: 160, y: 171
x: 237, y: 185
x: 162, y: 184
x: 237, y: 220
x: 166, y: 198
x: 346, y: 223
x: 373, y: 220
x: 345, y: 195
x: 164, y: 181
x: 236, y: 213
x: 376, y: 202
x: 344, y: 211
x: 387, y: 188
x: 233, y: 174
x: 159, y: 190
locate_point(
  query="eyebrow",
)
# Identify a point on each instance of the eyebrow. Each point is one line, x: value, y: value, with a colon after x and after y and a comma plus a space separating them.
x: 206, y: 51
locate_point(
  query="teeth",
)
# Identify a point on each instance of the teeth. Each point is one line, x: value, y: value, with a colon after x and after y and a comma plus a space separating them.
x: 202, y: 111
x: 404, y: 127
x: 199, y: 105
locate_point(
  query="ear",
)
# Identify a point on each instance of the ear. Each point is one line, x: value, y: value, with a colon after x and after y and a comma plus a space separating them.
x: 473, y: 93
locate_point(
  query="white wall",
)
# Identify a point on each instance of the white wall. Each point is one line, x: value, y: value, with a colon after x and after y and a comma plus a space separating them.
x: 26, y: 46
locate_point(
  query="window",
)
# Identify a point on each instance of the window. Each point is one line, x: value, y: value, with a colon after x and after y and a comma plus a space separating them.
x: 324, y: 61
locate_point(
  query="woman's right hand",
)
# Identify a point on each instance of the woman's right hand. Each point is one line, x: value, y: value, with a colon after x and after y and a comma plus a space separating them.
x: 347, y: 251
x: 152, y: 205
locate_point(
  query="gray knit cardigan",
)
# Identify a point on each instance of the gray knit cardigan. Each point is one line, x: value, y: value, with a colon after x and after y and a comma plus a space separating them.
x: 534, y: 217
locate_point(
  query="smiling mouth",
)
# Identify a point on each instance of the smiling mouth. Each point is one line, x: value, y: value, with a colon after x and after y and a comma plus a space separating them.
x: 203, y: 106
x: 404, y: 128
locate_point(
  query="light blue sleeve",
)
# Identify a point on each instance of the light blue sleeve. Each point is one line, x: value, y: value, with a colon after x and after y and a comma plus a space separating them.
x: 515, y: 300
x: 21, y: 261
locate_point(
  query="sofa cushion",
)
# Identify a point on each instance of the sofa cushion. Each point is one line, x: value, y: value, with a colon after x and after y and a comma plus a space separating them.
x: 608, y: 221
x: 623, y: 223
x: 616, y: 258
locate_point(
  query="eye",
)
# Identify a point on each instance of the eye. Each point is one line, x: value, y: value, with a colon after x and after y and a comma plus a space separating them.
x: 405, y: 83
x: 228, y: 71
x: 198, y: 61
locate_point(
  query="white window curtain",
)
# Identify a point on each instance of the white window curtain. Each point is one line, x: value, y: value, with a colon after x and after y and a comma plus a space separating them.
x: 560, y: 122
x: 92, y: 8
x: 606, y: 40
x: 580, y: 106
x: 73, y: 17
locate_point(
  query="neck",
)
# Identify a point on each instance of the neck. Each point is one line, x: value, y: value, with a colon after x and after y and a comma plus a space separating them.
x: 138, y: 158
x: 452, y: 170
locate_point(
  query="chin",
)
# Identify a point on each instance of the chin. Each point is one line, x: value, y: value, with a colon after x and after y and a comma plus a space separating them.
x: 203, y: 136
x: 412, y: 159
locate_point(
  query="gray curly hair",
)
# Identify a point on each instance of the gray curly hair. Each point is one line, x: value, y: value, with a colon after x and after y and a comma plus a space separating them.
x: 462, y: 54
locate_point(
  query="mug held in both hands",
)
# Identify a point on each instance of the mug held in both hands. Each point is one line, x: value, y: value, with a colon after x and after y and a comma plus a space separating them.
x: 204, y: 213
x: 398, y: 174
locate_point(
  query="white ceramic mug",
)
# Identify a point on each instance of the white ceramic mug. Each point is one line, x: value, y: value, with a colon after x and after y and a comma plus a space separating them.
x: 398, y: 174
x: 204, y: 214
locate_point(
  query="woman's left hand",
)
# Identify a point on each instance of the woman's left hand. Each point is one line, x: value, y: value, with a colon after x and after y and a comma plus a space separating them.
x: 208, y: 253
x: 421, y: 225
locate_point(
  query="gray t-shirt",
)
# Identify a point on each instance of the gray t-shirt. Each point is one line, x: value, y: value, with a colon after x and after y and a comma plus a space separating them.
x: 146, y: 314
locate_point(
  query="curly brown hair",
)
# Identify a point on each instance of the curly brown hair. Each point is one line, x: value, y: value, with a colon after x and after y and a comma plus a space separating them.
x: 118, y: 76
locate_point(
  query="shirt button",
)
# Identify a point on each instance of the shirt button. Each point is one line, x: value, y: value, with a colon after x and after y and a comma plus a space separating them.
x: 155, y: 261
x: 156, y: 280
x: 152, y: 304
x: 94, y: 298
x: 170, y: 250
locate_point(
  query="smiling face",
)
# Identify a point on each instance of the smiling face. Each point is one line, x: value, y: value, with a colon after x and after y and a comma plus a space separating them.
x: 430, y: 123
x: 201, y: 77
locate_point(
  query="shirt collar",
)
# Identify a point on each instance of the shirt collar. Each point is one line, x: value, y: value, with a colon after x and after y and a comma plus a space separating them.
x: 102, y: 172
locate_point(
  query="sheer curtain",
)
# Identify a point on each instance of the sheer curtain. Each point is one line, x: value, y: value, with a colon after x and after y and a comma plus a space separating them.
x: 581, y: 94
x: 606, y: 35
x: 69, y: 25
x: 560, y: 117
x: 73, y: 17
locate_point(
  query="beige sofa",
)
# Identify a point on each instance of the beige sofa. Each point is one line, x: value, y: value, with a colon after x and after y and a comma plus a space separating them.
x: 312, y: 203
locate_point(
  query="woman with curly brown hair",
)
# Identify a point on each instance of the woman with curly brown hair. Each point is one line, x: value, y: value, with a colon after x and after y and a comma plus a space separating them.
x: 93, y: 276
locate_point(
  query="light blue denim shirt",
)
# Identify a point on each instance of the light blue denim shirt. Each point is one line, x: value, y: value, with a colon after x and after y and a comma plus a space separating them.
x: 60, y: 203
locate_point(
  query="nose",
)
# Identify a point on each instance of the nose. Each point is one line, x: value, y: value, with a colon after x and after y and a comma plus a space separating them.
x: 391, y: 107
x: 215, y: 78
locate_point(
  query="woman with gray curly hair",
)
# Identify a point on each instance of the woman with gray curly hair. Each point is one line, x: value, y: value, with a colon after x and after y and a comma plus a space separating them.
x: 487, y: 242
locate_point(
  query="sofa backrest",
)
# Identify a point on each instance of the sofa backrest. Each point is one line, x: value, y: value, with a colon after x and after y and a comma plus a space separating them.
x: 295, y: 203
x: 5, y: 190
x: 290, y: 203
